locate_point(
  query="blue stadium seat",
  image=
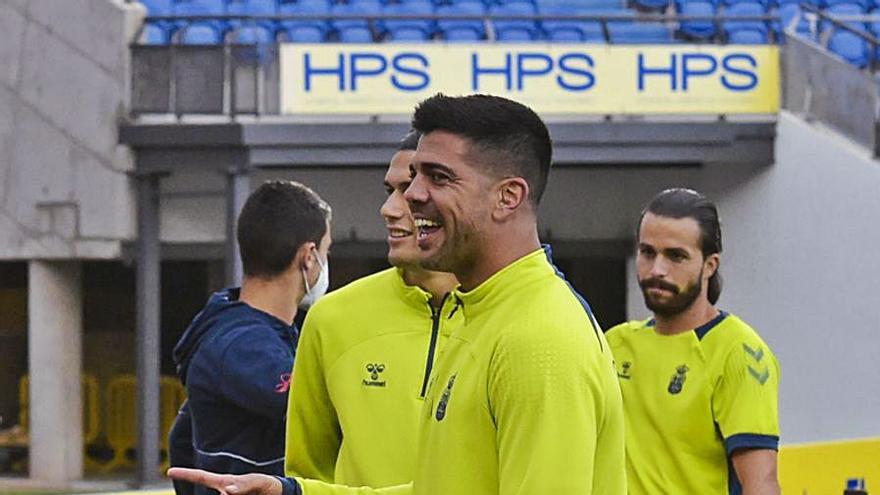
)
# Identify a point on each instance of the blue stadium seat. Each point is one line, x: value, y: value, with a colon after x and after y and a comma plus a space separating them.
x: 159, y: 7
x: 201, y: 33
x: 790, y: 13
x: 354, y: 34
x: 461, y: 30
x: 745, y: 32
x: 155, y: 34
x: 354, y: 27
x: 514, y: 29
x: 874, y: 27
x: 412, y: 7
x: 253, y: 35
x: 863, y: 4
x: 846, y: 44
x: 639, y: 33
x: 697, y: 29
x: 305, y: 34
x: 199, y: 7
x: 653, y: 4
x: 408, y: 34
x: 253, y: 7
x: 573, y: 30
x: 849, y: 47
x: 301, y: 27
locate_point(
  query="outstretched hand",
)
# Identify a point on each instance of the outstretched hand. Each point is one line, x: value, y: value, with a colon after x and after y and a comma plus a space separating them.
x: 229, y: 484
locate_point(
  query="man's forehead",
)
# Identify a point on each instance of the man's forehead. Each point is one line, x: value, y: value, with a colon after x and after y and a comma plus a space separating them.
x: 441, y: 143
x: 667, y: 231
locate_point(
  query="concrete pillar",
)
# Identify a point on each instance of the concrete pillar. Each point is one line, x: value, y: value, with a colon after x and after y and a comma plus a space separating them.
x: 55, y: 352
x: 238, y: 190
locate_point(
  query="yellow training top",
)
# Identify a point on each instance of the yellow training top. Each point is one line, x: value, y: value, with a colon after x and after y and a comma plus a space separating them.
x: 523, y: 399
x: 359, y: 381
x: 691, y: 399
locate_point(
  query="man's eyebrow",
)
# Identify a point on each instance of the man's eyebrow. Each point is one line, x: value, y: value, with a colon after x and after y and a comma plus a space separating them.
x: 437, y: 166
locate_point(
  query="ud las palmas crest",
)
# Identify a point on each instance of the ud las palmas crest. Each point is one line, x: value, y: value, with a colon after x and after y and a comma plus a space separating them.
x: 677, y: 382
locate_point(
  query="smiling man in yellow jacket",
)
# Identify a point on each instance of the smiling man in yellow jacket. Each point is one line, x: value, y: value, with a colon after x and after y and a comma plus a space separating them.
x: 364, y: 359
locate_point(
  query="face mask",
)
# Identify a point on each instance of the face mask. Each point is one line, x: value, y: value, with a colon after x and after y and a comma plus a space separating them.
x: 320, y: 288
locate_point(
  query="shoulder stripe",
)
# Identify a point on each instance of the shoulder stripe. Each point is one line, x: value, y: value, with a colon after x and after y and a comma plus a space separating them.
x: 584, y: 304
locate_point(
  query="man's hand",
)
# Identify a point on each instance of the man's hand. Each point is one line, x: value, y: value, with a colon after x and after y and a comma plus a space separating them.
x: 229, y: 484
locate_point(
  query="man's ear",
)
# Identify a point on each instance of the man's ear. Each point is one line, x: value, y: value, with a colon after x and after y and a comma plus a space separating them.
x: 303, y: 257
x: 713, y: 261
x: 512, y: 194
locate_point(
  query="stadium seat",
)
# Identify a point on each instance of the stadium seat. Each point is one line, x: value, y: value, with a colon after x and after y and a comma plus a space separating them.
x: 253, y: 35
x: 461, y: 30
x: 639, y: 33
x: 355, y: 30
x: 201, y: 8
x: 697, y: 29
x: 305, y: 34
x: 408, y: 27
x: 354, y: 34
x: 159, y: 7
x: 303, y: 26
x: 155, y: 34
x: 745, y: 32
x: 849, y: 47
x: 567, y: 30
x: 791, y: 16
x: 652, y: 4
x: 514, y: 29
x: 407, y: 33
x: 863, y: 4
x: 846, y: 44
x: 253, y: 8
x: 201, y: 33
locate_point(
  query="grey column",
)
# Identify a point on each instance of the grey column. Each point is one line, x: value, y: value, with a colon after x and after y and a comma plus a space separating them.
x: 238, y: 189
x: 148, y: 289
x: 55, y: 351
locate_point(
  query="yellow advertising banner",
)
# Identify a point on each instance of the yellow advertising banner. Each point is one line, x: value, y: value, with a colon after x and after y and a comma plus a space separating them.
x: 551, y: 78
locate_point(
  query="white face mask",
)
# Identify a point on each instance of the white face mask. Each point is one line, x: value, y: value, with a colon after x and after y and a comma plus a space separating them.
x: 320, y: 288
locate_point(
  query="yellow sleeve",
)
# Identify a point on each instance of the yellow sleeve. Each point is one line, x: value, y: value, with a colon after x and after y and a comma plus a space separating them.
x: 313, y: 433
x: 745, y: 403
x: 315, y: 487
x: 544, y: 399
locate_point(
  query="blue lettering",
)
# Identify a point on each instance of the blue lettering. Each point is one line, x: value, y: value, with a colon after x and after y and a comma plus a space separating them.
x: 671, y: 71
x: 420, y: 72
x: 566, y: 68
x: 522, y: 71
x: 476, y: 71
x: 339, y: 71
x: 356, y: 71
x: 727, y: 63
x: 687, y: 71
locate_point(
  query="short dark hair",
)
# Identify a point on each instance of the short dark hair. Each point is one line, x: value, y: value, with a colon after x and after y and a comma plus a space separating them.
x: 509, y: 135
x: 278, y: 218
x: 410, y: 142
x: 687, y: 203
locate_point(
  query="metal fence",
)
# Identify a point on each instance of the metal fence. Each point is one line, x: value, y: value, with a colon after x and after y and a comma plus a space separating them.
x: 233, y: 79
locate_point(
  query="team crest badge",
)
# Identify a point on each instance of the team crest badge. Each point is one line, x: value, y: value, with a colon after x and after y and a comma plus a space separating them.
x: 444, y: 399
x: 677, y: 381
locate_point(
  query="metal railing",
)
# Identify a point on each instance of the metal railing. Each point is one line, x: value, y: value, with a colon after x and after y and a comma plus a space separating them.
x: 233, y: 79
x: 842, y: 22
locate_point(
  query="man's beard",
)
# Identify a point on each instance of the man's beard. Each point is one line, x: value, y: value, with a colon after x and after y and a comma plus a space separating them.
x: 680, y: 301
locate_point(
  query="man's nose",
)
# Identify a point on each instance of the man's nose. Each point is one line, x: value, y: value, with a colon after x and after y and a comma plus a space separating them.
x: 416, y: 192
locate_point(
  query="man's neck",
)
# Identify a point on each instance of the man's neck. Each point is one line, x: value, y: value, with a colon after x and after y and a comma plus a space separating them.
x: 438, y: 284
x: 700, y: 313
x: 498, y: 255
x: 276, y: 296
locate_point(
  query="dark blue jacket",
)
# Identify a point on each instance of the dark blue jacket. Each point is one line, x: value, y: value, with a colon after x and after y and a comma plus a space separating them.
x: 235, y: 362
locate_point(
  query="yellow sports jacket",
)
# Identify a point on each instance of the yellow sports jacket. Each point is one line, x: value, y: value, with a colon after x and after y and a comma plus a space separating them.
x: 359, y: 381
x: 524, y: 397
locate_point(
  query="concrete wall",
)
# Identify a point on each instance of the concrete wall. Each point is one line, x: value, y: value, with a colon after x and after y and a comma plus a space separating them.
x: 800, y: 266
x: 64, y: 192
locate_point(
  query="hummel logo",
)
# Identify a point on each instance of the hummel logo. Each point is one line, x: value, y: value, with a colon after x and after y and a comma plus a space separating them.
x: 757, y: 355
x: 374, y: 369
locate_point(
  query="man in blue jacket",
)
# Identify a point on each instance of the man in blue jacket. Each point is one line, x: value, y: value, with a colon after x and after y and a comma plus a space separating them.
x: 236, y: 356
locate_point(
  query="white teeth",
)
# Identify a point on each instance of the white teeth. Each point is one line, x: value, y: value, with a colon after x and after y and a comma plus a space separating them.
x: 424, y: 222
